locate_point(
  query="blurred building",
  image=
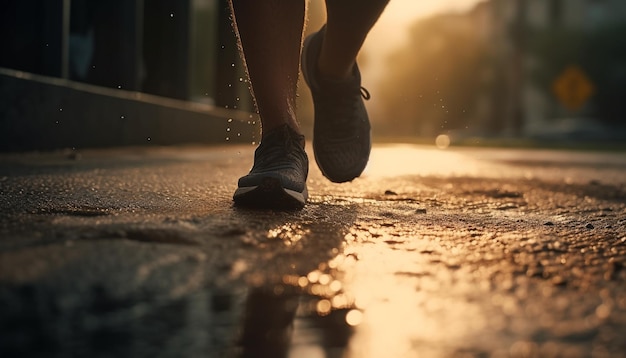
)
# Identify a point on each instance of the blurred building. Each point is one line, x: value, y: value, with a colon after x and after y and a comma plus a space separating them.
x: 181, y: 49
x: 176, y: 49
x: 530, y: 106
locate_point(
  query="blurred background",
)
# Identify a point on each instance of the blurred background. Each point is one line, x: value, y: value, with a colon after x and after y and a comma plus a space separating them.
x: 89, y: 73
x: 526, y: 69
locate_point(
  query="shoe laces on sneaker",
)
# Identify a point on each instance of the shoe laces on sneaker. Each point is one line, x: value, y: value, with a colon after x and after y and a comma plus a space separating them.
x: 279, y: 150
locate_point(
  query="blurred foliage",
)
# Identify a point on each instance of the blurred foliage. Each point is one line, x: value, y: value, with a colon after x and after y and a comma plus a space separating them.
x: 600, y: 52
x: 437, y: 81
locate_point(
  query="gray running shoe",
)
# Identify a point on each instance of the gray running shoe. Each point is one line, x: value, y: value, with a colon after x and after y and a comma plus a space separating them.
x: 277, y: 179
x: 341, y: 132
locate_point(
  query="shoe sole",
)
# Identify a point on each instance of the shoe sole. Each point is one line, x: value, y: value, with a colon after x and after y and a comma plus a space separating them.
x: 270, y: 195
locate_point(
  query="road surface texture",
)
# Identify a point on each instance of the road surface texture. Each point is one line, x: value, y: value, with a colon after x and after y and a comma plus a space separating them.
x: 432, y: 253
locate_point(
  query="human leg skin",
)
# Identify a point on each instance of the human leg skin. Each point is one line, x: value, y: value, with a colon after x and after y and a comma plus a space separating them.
x: 270, y: 34
x: 348, y: 23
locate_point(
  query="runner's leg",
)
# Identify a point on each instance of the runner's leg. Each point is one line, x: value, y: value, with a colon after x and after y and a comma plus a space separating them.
x: 270, y: 32
x: 348, y: 23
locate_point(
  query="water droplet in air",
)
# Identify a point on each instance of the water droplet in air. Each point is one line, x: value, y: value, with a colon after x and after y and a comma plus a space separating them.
x: 227, y: 138
x: 232, y: 64
x: 122, y: 117
x: 171, y: 15
x: 227, y: 129
x: 230, y: 120
x: 60, y: 109
x: 148, y: 139
x: 119, y: 86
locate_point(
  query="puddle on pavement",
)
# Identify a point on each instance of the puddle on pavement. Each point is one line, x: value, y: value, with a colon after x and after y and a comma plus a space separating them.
x: 260, y: 322
x: 300, y: 312
x: 300, y: 315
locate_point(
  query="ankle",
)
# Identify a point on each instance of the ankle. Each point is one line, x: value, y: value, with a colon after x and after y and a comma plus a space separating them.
x: 269, y: 130
x: 272, y: 120
x: 335, y: 75
x: 330, y: 71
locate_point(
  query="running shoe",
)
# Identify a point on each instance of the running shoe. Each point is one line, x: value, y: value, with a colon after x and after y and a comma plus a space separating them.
x: 277, y: 179
x: 341, y: 131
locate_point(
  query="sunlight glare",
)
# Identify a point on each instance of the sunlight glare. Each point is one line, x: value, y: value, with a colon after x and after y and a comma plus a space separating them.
x: 403, y: 159
x: 420, y: 305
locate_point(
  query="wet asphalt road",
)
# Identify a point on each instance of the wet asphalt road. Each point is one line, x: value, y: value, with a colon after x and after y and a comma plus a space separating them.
x: 456, y: 253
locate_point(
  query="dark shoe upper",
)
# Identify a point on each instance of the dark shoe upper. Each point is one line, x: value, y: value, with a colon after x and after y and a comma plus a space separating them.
x: 280, y: 156
x: 341, y: 133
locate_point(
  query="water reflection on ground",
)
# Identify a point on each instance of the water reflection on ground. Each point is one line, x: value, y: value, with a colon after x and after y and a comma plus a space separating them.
x: 250, y: 322
x: 287, y: 325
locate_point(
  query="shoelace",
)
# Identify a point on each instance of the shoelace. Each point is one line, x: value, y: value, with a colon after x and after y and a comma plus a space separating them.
x: 341, y: 102
x: 274, y: 152
x: 365, y: 94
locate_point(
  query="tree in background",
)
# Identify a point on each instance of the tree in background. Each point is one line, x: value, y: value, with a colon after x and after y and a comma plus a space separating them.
x: 439, y: 81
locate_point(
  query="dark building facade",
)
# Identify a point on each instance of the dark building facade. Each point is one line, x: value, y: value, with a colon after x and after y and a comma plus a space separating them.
x: 170, y: 48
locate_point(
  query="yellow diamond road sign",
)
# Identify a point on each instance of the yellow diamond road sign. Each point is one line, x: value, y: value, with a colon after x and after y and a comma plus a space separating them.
x: 573, y: 88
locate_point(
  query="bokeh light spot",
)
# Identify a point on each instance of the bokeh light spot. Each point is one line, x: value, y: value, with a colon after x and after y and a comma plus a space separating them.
x: 442, y: 141
x: 354, y: 317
